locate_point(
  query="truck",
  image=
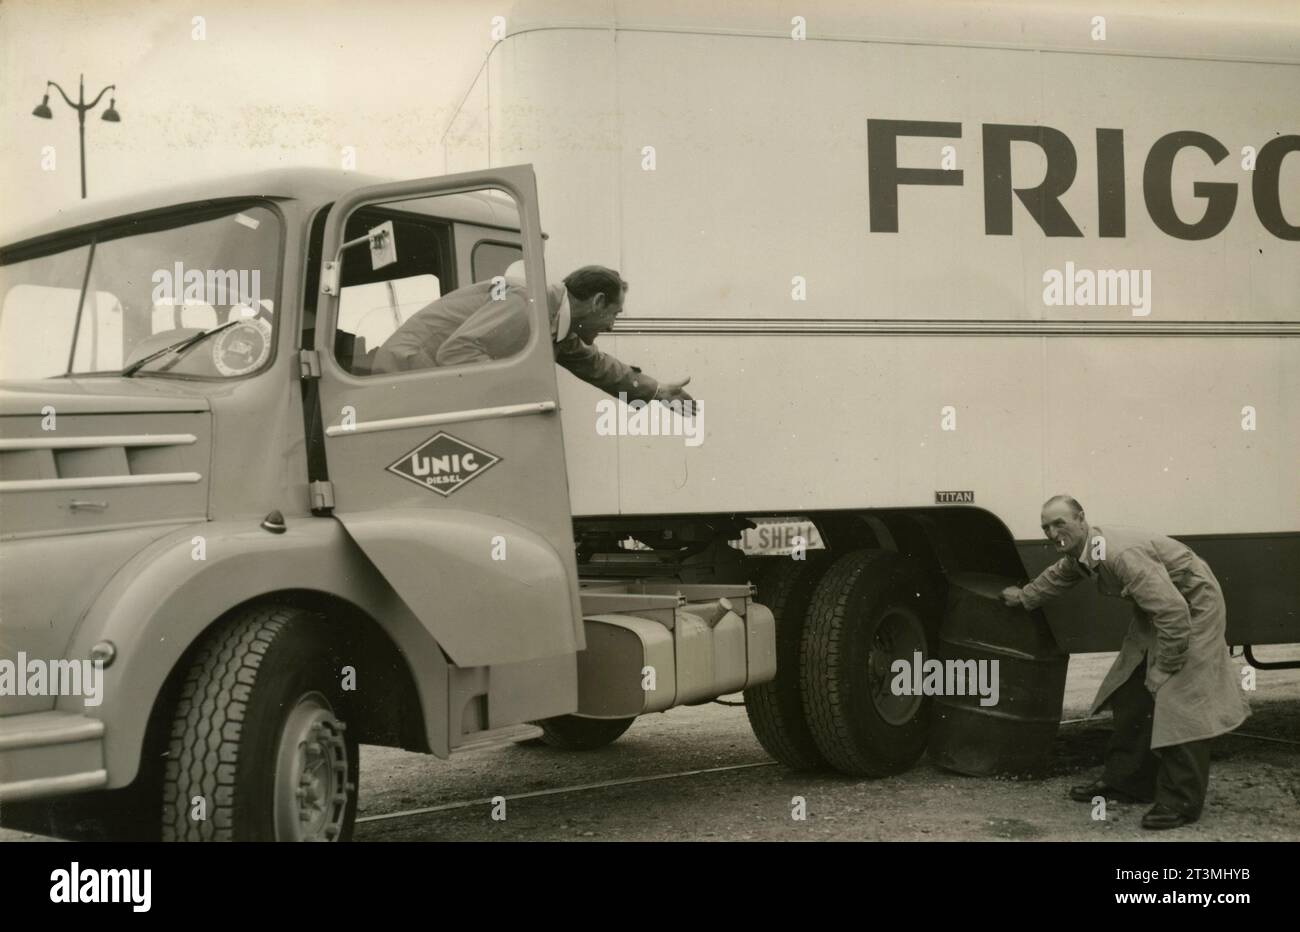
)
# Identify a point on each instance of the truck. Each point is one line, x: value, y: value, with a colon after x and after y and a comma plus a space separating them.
x: 233, y: 548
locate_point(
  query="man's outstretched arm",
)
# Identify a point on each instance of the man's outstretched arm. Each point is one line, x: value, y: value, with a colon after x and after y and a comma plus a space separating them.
x: 604, y: 371
x: 1056, y: 580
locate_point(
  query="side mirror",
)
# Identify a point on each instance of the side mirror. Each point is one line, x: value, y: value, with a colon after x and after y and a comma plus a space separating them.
x: 383, y: 245
x: 383, y: 251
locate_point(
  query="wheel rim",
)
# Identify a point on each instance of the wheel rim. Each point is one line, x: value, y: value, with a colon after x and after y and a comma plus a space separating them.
x: 311, y: 773
x: 899, y: 635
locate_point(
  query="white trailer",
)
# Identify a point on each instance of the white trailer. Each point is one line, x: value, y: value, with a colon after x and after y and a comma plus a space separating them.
x: 927, y: 269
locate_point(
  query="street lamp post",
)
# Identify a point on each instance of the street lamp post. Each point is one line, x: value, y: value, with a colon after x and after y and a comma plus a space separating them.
x: 110, y: 115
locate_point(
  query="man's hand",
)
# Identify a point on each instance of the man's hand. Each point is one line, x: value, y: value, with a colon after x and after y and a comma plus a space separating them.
x: 669, y: 392
x: 1155, y: 679
x: 1011, y: 597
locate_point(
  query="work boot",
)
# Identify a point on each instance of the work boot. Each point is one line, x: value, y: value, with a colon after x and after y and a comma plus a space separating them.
x: 1086, y: 792
x: 1162, y: 817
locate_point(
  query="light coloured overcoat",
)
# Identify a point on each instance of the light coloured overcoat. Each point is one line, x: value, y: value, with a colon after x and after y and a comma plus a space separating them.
x: 1178, y: 623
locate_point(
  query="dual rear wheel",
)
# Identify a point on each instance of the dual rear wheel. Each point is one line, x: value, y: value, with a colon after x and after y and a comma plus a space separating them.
x: 842, y: 623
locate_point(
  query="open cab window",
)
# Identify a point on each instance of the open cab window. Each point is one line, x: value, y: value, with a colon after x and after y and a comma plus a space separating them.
x: 424, y: 300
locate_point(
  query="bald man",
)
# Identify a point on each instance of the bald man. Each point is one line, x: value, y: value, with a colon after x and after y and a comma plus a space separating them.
x: 1172, y: 687
x: 474, y: 324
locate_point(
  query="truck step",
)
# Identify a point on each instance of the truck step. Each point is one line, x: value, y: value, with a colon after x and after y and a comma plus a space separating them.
x: 498, y: 737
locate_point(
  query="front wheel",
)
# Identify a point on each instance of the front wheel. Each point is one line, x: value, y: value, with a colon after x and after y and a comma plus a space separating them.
x: 259, y: 745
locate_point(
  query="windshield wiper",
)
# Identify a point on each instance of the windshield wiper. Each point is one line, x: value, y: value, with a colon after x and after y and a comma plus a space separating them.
x: 176, y: 348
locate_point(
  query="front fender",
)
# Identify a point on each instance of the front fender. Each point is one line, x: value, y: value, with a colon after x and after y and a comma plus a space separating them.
x: 163, y: 599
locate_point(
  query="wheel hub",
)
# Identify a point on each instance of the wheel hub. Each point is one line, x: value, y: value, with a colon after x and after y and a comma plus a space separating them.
x: 899, y: 635
x: 312, y: 781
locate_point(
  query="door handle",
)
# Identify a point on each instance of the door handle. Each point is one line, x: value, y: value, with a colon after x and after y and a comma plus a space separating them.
x: 449, y: 417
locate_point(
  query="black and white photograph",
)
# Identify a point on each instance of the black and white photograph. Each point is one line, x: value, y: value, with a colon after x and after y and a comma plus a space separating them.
x: 648, y: 423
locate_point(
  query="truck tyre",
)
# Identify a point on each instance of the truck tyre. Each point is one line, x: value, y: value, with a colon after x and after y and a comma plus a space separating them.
x: 868, y: 611
x: 259, y: 736
x: 573, y: 733
x: 776, y: 708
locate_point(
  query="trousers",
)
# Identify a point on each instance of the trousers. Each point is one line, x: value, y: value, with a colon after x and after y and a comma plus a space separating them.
x: 1176, y: 776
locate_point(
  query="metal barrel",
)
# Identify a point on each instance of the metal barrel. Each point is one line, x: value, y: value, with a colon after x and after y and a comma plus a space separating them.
x: 1012, y: 736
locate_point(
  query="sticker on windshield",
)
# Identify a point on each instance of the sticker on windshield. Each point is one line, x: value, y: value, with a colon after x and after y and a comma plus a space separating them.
x: 241, y: 348
x: 443, y: 464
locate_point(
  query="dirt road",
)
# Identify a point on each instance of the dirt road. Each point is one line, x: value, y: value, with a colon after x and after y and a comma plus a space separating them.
x: 1254, y: 793
x: 1254, y: 790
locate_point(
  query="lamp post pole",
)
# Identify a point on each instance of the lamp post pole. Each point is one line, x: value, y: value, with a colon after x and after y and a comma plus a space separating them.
x: 110, y: 115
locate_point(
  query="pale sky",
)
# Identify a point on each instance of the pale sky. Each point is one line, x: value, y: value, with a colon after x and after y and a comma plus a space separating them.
x: 275, y: 83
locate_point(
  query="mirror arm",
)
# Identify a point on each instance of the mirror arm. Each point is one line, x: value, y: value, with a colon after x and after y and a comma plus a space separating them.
x: 329, y: 275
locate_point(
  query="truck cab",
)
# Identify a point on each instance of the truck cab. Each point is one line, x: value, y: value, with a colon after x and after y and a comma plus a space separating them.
x: 233, y: 549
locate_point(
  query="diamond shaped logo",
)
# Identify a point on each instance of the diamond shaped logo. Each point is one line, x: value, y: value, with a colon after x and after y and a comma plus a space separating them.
x: 443, y: 464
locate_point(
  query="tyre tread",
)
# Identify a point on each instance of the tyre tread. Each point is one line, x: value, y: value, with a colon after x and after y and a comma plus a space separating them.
x: 822, y: 657
x: 203, y: 750
x: 775, y: 709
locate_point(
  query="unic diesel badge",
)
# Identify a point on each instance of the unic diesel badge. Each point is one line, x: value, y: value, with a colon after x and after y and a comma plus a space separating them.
x: 443, y: 464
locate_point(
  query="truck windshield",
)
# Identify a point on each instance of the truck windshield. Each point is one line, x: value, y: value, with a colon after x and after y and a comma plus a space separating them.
x: 101, y: 305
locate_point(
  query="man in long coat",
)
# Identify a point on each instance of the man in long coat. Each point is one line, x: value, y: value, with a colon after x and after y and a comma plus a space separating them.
x: 1172, y: 687
x: 489, y: 320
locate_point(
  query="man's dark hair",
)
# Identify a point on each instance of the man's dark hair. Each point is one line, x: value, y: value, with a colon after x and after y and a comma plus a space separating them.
x: 595, y: 279
x: 1075, y: 507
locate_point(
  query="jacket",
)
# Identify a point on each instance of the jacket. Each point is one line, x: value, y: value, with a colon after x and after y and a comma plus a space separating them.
x: 468, y: 325
x: 1179, y: 618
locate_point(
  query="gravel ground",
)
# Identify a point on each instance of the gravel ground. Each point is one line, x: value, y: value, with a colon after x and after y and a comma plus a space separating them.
x: 1254, y: 791
x: 1254, y: 788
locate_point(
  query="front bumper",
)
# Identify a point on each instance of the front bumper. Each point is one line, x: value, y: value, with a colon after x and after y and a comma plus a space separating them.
x: 50, y: 754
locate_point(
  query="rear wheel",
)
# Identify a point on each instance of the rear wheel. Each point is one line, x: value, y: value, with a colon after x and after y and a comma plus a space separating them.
x: 572, y: 733
x: 776, y: 708
x: 868, y: 611
x: 259, y: 746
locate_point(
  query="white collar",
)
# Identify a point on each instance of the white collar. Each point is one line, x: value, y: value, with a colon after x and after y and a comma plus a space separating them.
x: 562, y: 317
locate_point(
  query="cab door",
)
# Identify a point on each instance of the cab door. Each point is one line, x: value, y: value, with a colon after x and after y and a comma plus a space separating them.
x: 450, y: 475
